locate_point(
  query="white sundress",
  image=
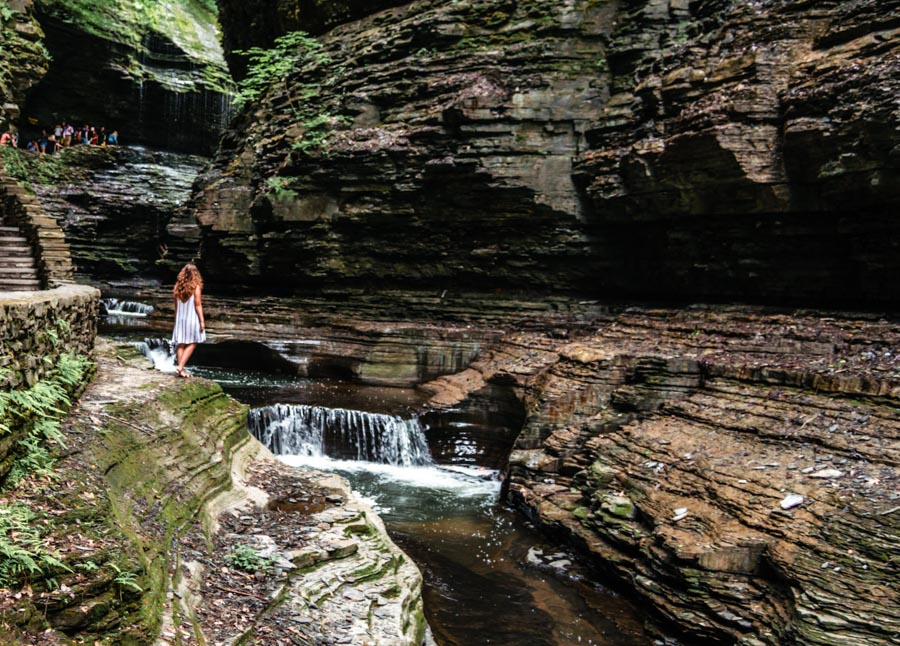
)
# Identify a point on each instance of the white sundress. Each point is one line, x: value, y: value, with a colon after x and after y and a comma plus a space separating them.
x: 187, y: 324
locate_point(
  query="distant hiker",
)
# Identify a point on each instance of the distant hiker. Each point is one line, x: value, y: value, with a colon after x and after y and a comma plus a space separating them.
x: 6, y: 139
x: 58, y: 132
x: 102, y: 135
x: 86, y: 135
x: 32, y: 146
x: 43, y: 142
x: 113, y: 138
x: 190, y: 328
x: 68, y: 131
x: 95, y: 138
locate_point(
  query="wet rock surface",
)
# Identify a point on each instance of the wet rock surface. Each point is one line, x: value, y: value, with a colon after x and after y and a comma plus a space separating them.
x: 115, y: 206
x: 23, y: 59
x: 736, y: 470
x: 162, y: 482
x: 154, y: 72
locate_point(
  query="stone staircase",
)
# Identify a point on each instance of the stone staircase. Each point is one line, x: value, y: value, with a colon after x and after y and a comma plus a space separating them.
x: 34, y: 253
x: 18, y: 269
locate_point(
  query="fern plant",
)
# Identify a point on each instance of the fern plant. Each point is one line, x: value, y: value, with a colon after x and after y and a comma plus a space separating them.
x: 21, y: 552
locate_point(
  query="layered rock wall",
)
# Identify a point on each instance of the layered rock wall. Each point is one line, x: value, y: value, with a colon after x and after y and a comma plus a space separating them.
x: 23, y: 58
x: 738, y: 472
x: 114, y: 206
x: 427, y: 146
x: 751, y: 150
x: 709, y: 149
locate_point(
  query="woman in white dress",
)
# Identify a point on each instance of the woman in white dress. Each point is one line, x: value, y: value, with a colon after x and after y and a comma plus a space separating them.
x: 190, y: 328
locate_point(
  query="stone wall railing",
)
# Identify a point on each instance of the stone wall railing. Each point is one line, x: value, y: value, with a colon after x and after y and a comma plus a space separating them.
x: 36, y: 327
x: 48, y: 243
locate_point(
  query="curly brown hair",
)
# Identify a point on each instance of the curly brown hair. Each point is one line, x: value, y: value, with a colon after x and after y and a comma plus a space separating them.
x: 188, y: 280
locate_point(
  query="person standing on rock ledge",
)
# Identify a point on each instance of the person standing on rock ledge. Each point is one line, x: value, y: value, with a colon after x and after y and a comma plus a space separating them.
x: 190, y: 328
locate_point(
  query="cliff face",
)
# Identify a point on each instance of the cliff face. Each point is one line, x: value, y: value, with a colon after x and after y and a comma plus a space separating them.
x: 114, y: 205
x: 703, y: 149
x: 431, y: 146
x: 23, y: 58
x: 752, y: 149
x: 153, y: 71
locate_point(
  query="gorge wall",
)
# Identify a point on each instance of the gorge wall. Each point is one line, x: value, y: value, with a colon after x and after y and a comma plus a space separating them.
x: 653, y: 149
x: 737, y: 471
x: 153, y: 71
x: 23, y: 57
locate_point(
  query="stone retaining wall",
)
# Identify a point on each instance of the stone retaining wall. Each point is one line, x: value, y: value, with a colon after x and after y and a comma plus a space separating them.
x: 35, y: 326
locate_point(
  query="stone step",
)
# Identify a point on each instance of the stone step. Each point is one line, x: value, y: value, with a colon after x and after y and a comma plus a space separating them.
x: 10, y: 230
x: 9, y: 240
x: 17, y: 261
x: 14, y: 272
x: 8, y: 252
x: 17, y: 285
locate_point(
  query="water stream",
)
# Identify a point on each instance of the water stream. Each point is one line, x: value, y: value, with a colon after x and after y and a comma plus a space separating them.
x: 489, y: 576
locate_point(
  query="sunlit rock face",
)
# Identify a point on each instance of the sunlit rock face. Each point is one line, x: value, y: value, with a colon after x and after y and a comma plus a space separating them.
x: 154, y: 72
x: 649, y: 149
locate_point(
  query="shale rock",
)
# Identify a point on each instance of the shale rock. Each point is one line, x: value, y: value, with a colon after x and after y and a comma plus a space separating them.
x: 687, y: 150
x: 23, y: 58
x: 737, y: 471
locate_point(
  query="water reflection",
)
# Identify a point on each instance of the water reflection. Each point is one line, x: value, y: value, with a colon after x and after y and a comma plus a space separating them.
x: 485, y: 582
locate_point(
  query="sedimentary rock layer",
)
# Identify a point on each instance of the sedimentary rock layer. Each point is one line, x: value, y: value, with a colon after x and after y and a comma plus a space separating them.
x: 713, y: 150
x: 23, y: 58
x: 738, y: 471
x: 153, y: 71
x: 115, y: 205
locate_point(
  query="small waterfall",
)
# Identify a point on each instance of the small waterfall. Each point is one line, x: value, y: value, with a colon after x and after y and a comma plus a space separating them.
x: 115, y: 307
x: 339, y: 433
x: 159, y: 351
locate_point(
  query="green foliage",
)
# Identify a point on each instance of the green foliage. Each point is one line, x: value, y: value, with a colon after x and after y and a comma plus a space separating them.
x: 125, y: 579
x: 21, y: 552
x: 5, y: 12
x: 248, y: 559
x: 37, y: 411
x: 294, y: 50
x: 279, y: 189
x: 316, y: 132
x: 27, y: 167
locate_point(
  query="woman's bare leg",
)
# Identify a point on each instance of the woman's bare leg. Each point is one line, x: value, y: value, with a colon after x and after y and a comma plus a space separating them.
x: 179, y: 350
x: 185, y: 355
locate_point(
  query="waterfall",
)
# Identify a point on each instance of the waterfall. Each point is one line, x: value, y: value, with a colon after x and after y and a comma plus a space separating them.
x: 159, y: 351
x: 125, y: 308
x: 339, y: 433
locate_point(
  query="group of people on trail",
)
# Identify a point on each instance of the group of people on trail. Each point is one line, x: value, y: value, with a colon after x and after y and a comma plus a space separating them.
x: 62, y: 136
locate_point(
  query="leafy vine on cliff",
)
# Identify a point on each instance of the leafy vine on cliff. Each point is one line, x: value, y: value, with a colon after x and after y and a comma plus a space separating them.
x: 267, y: 66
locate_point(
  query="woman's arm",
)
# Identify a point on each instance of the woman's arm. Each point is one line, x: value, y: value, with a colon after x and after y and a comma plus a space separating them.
x: 198, y: 306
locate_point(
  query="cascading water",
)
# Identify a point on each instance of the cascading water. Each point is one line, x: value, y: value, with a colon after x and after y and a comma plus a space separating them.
x: 315, y: 431
x: 115, y: 307
x: 159, y: 351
